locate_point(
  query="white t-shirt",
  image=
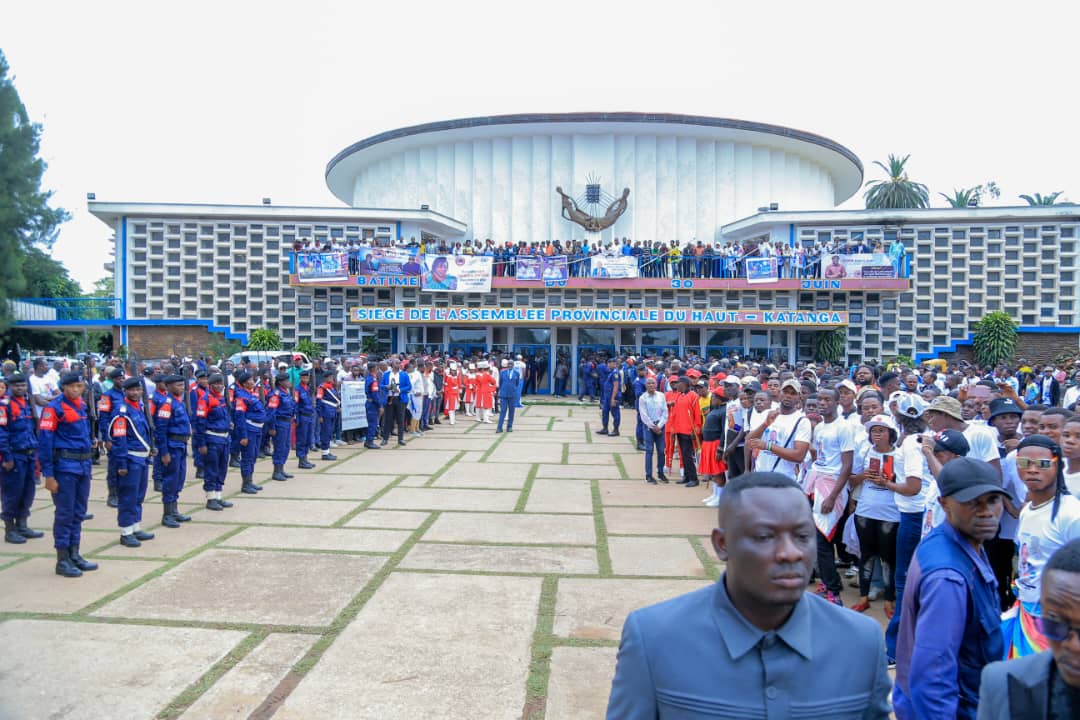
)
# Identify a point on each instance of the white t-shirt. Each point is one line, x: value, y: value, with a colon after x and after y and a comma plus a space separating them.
x: 1010, y: 480
x: 1039, y: 538
x: 1073, y: 481
x: 44, y: 388
x: 780, y: 435
x: 831, y: 441
x: 983, y: 440
x: 934, y: 514
x: 876, y: 502
x: 914, y: 465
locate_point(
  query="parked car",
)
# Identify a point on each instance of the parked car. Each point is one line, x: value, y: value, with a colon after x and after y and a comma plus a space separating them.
x: 274, y: 357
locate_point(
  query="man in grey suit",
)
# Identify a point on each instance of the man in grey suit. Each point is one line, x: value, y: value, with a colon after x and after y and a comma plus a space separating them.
x: 1044, y: 686
x: 754, y: 644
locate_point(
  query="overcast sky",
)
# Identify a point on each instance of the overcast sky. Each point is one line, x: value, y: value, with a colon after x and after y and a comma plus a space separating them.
x: 233, y: 101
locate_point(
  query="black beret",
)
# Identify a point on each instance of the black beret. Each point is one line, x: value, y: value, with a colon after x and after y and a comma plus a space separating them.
x: 69, y: 378
x: 132, y: 383
x: 116, y: 372
x: 216, y: 378
x: 281, y: 377
x: 242, y: 377
x: 170, y: 379
x: 16, y: 378
x: 149, y: 371
x: 202, y: 374
x: 305, y: 372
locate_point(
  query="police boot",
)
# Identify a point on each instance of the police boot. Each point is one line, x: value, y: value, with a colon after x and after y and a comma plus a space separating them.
x: 157, y: 485
x: 112, y: 501
x: 327, y: 455
x: 167, y: 518
x: 26, y: 531
x: 372, y: 446
x: 130, y: 541
x: 79, y: 561
x: 248, y: 487
x: 234, y: 461
x: 177, y: 516
x: 279, y: 473
x: 64, y: 565
x: 143, y: 536
x: 214, y: 504
x: 199, y: 474
x: 11, y: 535
x: 305, y: 464
x: 224, y: 503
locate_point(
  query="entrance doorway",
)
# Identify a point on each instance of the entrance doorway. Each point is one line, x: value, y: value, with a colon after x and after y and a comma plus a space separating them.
x: 467, y: 350
x: 537, y: 360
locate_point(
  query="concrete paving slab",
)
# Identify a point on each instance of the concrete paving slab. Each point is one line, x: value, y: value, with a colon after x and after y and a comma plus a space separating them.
x: 580, y: 682
x: 638, y: 492
x: 402, y: 461
x: 530, y: 453
x: 493, y: 558
x: 510, y: 476
x: 660, y: 521
x: 595, y: 609
x: 447, y: 647
x: 578, y: 472
x: 34, y: 586
x: 560, y: 496
x: 447, y: 499
x: 295, y: 538
x: 120, y: 671
x: 548, y: 411
x: 472, y: 456
x: 392, y: 519
x: 280, y: 512
x: 246, y: 586
x: 91, y: 540
x: 456, y: 443
x: 599, y: 457
x: 244, y: 687
x: 325, y: 485
x: 661, y: 557
x: 512, y: 528
x: 415, y: 481
x: 544, y: 436
x: 167, y: 542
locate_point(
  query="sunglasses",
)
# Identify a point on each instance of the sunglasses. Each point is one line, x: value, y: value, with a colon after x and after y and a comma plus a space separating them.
x: 1055, y: 630
x: 1043, y: 464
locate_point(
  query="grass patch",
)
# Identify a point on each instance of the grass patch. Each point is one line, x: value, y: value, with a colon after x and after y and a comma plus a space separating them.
x: 525, y: 491
x: 603, y: 553
x: 551, y: 424
x: 540, y: 662
x: 706, y: 556
x: 622, y: 468
x: 498, y: 441
x: 443, y: 469
x: 196, y: 690
x: 588, y: 435
x: 565, y: 454
x: 367, y: 503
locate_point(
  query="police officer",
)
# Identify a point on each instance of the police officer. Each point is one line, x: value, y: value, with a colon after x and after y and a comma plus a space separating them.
x: 282, y: 412
x: 18, y: 449
x: 64, y: 451
x: 198, y: 390
x: 159, y: 398
x: 108, y: 402
x: 172, y: 428
x: 328, y: 403
x: 610, y: 394
x: 234, y: 435
x: 249, y: 414
x: 212, y: 426
x: 305, y: 419
x: 129, y: 433
x: 373, y: 406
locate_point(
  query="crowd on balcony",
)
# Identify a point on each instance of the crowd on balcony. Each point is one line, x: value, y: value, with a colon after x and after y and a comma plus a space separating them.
x: 674, y: 259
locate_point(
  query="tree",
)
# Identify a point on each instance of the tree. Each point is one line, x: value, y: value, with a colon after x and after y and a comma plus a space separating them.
x: 897, y: 191
x: 104, y: 288
x: 1041, y: 199
x: 26, y: 220
x: 995, y: 338
x: 264, y: 339
x: 830, y: 345
x: 972, y: 197
x: 310, y: 348
x: 220, y: 347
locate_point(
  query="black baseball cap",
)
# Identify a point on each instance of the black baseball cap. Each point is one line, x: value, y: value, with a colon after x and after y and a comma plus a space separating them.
x: 965, y: 479
x: 952, y: 441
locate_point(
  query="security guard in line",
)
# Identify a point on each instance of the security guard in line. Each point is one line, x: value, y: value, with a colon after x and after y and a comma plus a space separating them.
x: 305, y: 418
x: 172, y: 429
x: 198, y: 390
x: 235, y: 435
x: 282, y: 409
x: 212, y: 426
x: 160, y: 397
x: 64, y: 452
x: 249, y: 414
x: 610, y: 395
x: 328, y: 404
x: 373, y: 406
x: 107, y: 404
x: 18, y: 451
x: 129, y: 433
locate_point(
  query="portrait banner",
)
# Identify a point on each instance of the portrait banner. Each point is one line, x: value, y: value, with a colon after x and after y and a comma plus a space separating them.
x: 858, y: 266
x: 353, y: 405
x: 388, y: 260
x: 456, y: 273
x: 321, y: 267
x: 555, y: 271
x: 761, y: 270
x: 529, y: 268
x: 621, y: 266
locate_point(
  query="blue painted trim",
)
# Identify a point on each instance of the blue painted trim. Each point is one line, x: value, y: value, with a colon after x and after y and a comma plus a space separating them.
x: 46, y: 324
x: 1055, y: 329
x: 955, y: 344
x: 122, y: 259
x: 791, y: 234
x: 399, y: 230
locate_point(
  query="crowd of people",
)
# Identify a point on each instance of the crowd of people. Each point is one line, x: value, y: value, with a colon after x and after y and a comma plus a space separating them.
x: 672, y: 259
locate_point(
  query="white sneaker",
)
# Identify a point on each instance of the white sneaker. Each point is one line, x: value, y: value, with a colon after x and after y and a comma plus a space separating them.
x: 713, y: 501
x: 707, y: 498
x: 851, y: 572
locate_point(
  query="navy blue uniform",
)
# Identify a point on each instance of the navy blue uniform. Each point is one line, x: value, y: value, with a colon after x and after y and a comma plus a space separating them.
x: 107, y: 404
x: 129, y: 432
x: 64, y: 449
x: 610, y: 394
x: 212, y: 425
x: 588, y: 385
x: 195, y: 395
x: 327, y: 406
x: 249, y: 414
x: 157, y: 470
x: 375, y: 401
x: 305, y: 420
x: 282, y: 409
x: 17, y: 445
x: 172, y: 428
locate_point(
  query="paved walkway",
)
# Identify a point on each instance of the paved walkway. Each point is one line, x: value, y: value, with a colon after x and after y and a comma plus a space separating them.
x: 467, y: 575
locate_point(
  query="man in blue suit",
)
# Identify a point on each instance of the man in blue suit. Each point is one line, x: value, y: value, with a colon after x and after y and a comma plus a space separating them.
x: 768, y: 649
x: 509, y: 392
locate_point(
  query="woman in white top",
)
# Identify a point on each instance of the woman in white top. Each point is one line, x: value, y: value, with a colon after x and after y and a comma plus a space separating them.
x: 1049, y: 520
x: 416, y: 400
x: 877, y: 518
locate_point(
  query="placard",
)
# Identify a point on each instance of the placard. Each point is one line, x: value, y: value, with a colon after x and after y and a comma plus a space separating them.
x: 858, y: 265
x: 456, y: 273
x: 388, y: 260
x: 353, y: 405
x: 760, y: 270
x: 617, y: 267
x: 322, y: 267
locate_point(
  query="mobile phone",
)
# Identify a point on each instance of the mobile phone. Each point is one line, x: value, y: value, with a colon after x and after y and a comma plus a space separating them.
x: 875, y: 465
x: 979, y: 391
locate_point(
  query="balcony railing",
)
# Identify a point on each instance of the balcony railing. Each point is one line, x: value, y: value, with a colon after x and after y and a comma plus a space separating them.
x: 65, y: 310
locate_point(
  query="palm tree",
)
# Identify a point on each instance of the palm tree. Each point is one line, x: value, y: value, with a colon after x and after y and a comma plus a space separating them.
x: 968, y: 197
x: 1041, y: 199
x: 898, y: 191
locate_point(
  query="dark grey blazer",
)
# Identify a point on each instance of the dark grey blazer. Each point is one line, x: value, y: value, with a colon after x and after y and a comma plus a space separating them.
x: 1016, y: 689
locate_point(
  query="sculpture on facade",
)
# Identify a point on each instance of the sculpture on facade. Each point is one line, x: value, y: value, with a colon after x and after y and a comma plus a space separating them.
x: 572, y: 212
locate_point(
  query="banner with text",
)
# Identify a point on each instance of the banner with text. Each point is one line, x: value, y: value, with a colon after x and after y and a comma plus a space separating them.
x: 551, y: 270
x: 593, y: 316
x: 761, y: 270
x: 859, y: 265
x: 618, y: 267
x: 322, y: 267
x: 388, y: 260
x: 457, y: 273
x: 353, y: 405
